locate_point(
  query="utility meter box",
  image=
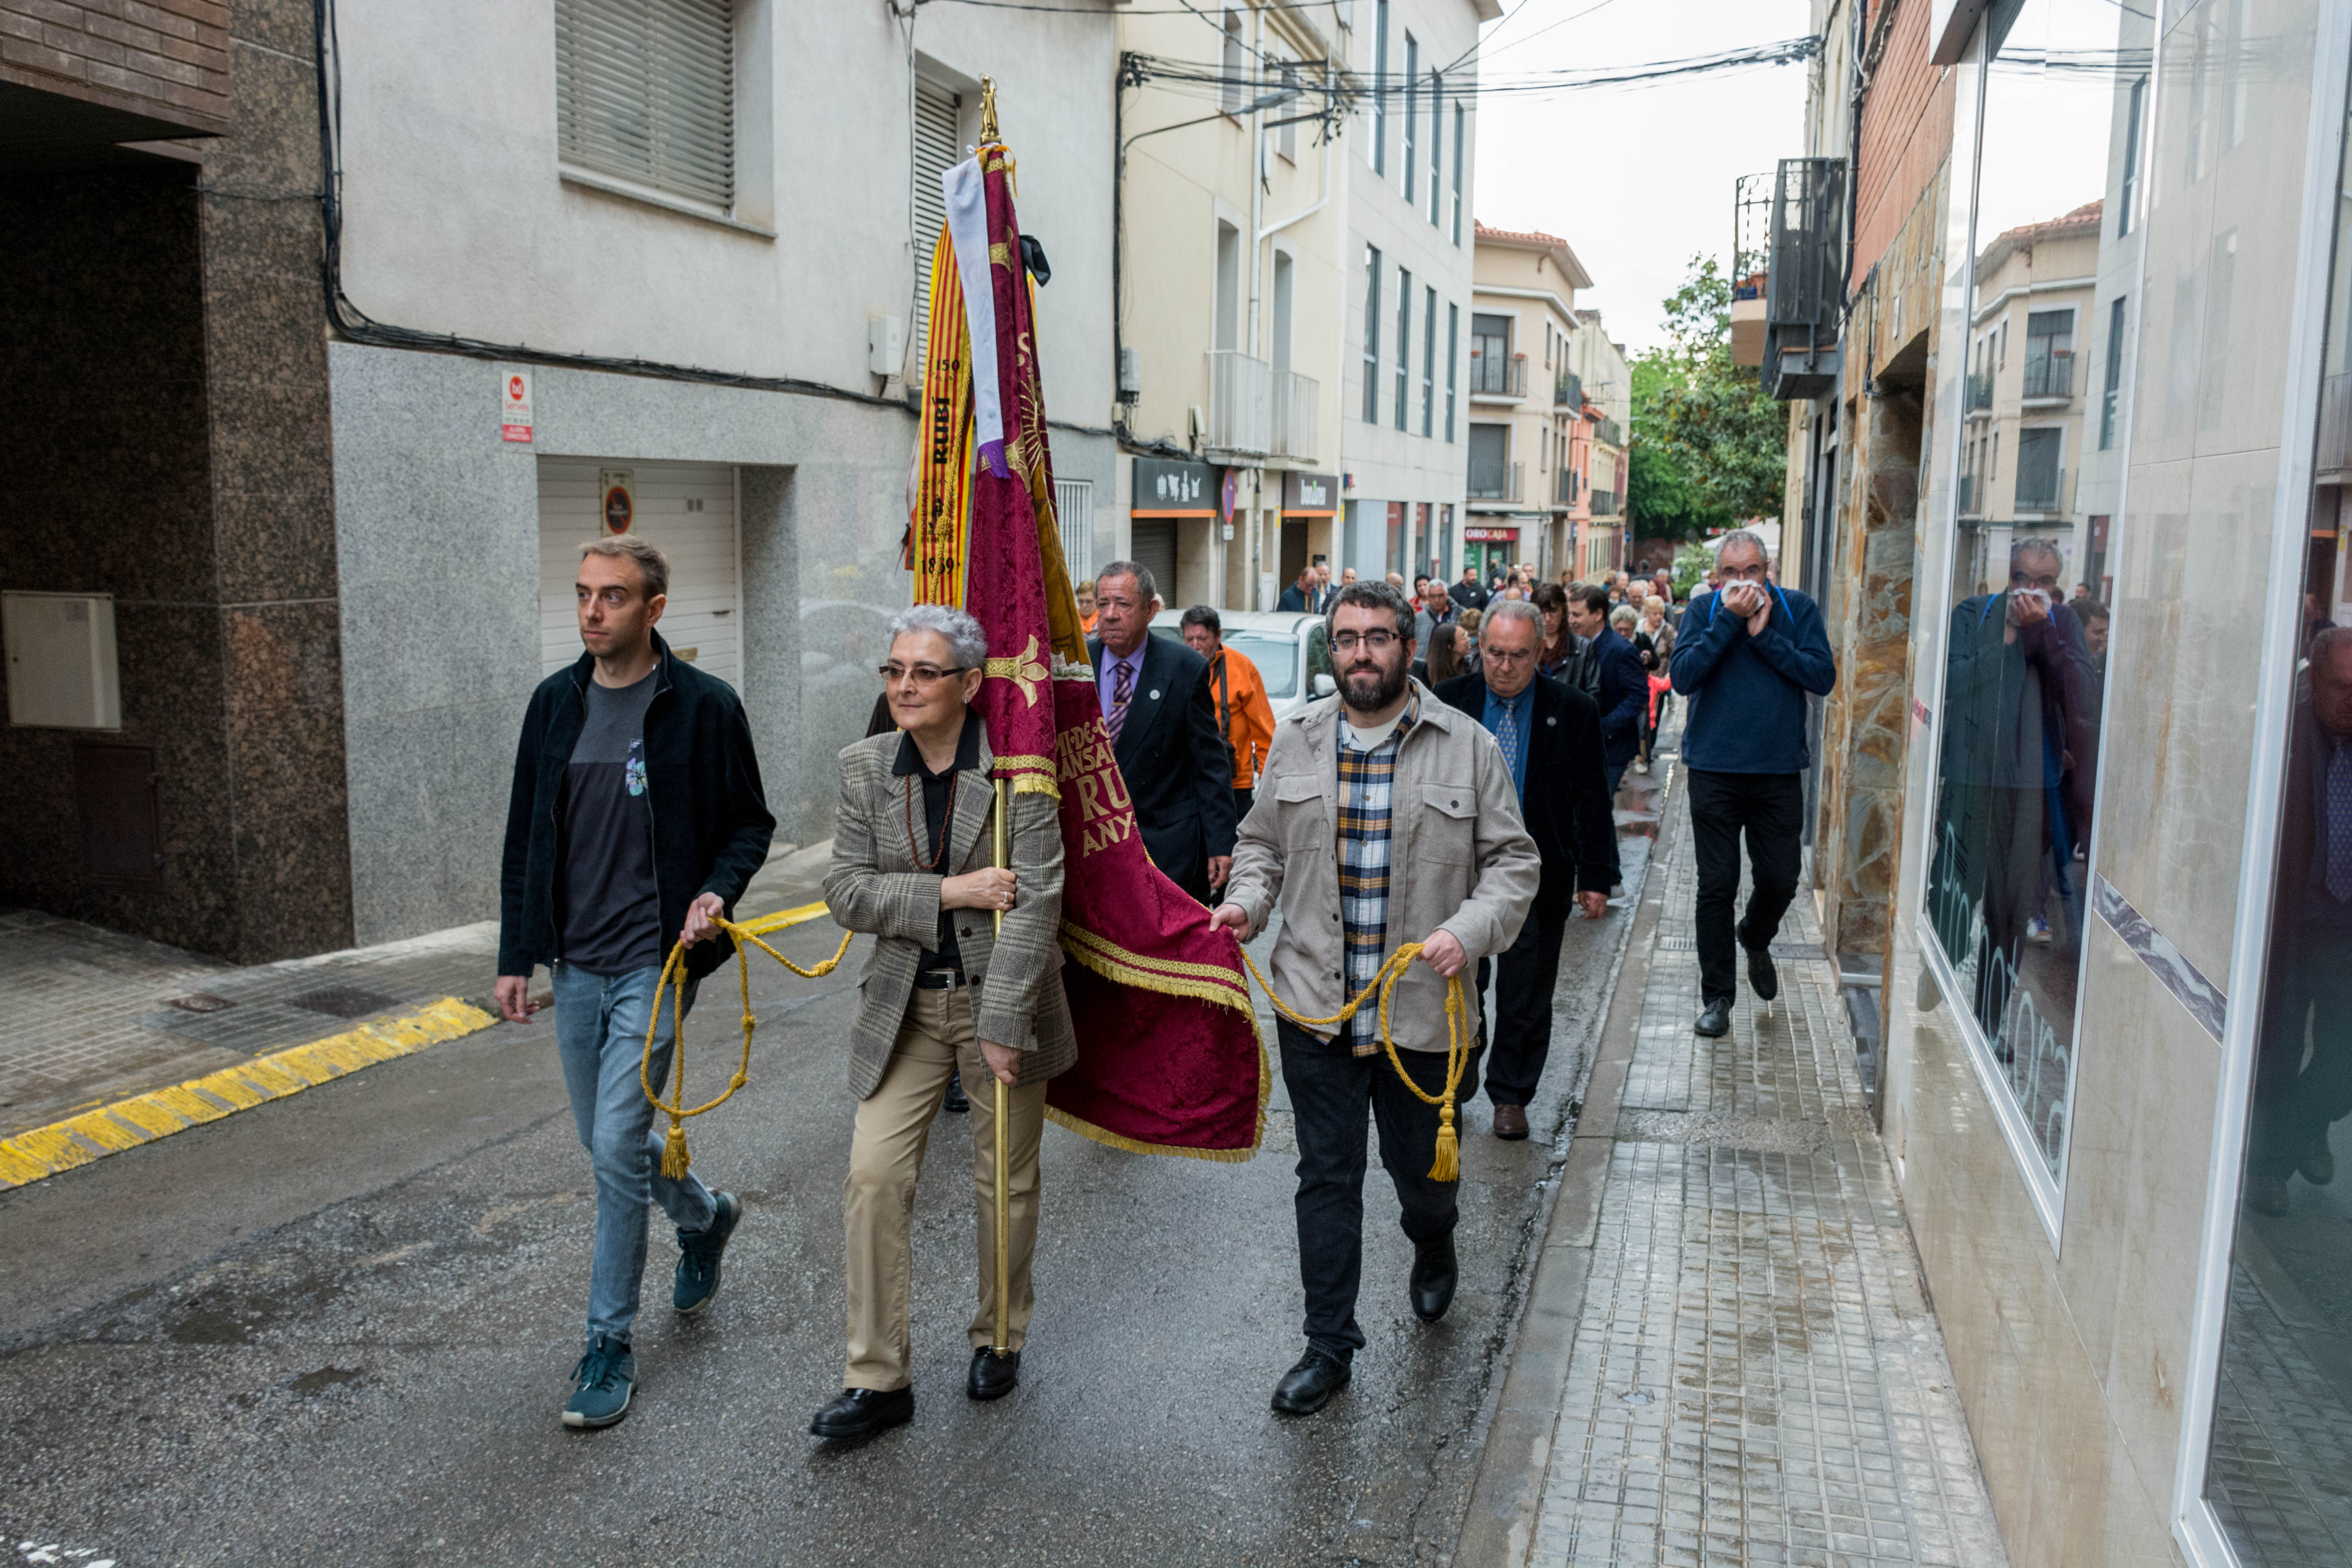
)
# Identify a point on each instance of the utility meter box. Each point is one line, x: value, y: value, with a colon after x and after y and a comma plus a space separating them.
x: 62, y: 673
x: 886, y: 345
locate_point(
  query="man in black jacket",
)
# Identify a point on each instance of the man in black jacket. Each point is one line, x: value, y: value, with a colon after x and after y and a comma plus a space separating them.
x: 1161, y: 715
x: 1623, y: 691
x: 636, y: 816
x: 1550, y: 736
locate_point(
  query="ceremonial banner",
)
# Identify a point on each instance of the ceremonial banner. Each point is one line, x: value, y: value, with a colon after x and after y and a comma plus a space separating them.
x: 1169, y: 1056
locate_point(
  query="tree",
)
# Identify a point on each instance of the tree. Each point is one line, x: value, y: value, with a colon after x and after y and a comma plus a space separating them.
x: 1717, y: 446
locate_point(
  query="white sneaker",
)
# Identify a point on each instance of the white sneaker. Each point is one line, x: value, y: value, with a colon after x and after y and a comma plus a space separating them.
x: 2037, y: 929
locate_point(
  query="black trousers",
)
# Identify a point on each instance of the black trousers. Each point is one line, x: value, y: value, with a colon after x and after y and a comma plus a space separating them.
x: 2294, y: 1104
x: 1525, y: 975
x: 1329, y: 1087
x: 1771, y: 807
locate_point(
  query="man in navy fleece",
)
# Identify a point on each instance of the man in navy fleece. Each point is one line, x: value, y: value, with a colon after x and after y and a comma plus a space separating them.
x: 1744, y: 660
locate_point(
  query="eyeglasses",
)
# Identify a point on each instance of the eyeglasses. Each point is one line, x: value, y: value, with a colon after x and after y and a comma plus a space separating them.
x: 924, y: 674
x: 1493, y: 655
x: 1376, y: 642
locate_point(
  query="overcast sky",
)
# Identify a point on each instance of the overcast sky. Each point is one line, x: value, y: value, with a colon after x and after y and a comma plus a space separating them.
x: 1636, y: 179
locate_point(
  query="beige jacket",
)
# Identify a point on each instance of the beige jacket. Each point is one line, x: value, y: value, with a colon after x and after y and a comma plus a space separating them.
x: 874, y: 886
x: 1460, y: 860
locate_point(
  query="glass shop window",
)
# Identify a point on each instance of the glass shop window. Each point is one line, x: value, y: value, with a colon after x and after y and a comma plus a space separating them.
x: 2026, y: 652
x: 2275, y: 1470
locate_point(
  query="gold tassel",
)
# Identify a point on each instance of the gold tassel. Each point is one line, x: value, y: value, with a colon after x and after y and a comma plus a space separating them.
x: 1448, y: 1166
x: 675, y: 1159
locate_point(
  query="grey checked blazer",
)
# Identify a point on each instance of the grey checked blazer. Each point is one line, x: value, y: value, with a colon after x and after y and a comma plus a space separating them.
x: 875, y: 887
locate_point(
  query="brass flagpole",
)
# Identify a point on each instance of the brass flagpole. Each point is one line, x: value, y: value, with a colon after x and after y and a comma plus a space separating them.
x: 1003, y: 846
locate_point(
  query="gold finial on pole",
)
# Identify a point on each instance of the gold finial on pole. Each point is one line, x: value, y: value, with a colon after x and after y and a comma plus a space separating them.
x: 987, y: 109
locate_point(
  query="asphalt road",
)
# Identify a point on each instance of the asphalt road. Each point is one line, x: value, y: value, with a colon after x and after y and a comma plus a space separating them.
x: 337, y: 1330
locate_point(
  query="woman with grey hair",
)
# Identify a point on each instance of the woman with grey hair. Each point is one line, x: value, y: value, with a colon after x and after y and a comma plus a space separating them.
x: 947, y: 988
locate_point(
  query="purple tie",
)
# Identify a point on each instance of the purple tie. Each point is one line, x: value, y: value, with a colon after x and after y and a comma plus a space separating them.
x: 1122, y: 687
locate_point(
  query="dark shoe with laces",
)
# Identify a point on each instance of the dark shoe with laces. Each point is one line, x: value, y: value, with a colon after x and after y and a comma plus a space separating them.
x: 955, y: 1102
x: 1714, y: 1017
x: 993, y: 1376
x: 604, y: 1379
x: 1308, y: 1387
x: 1432, y: 1281
x: 1763, y: 974
x: 860, y: 1412
x: 699, y: 1252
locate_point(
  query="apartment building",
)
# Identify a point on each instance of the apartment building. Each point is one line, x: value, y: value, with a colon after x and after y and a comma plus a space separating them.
x: 585, y: 271
x: 1529, y: 443
x: 1604, y: 383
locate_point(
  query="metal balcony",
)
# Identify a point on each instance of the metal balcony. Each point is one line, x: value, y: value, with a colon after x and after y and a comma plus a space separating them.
x: 1296, y: 404
x: 2045, y: 493
x: 1805, y: 279
x: 1980, y: 393
x: 1604, y: 503
x: 1607, y: 433
x: 2334, y: 427
x: 1493, y: 375
x: 1968, y: 495
x: 1493, y: 481
x: 1565, y: 485
x: 1568, y: 390
x: 1241, y: 403
x: 2051, y: 375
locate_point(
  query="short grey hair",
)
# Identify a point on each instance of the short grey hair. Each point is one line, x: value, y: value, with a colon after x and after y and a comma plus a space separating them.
x: 1135, y: 569
x: 1746, y: 536
x: 962, y: 633
x: 1503, y: 610
x: 651, y: 562
x: 2325, y: 641
x: 1624, y: 615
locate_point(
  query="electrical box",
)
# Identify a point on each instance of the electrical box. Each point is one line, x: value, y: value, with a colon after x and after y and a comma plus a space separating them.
x: 1130, y: 376
x: 886, y: 345
x: 62, y: 673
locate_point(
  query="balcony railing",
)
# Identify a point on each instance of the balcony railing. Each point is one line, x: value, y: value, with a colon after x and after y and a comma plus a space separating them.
x: 1493, y: 480
x: 2041, y: 492
x: 2052, y: 376
x: 1297, y: 403
x: 1608, y: 433
x: 1568, y: 390
x: 1979, y: 392
x: 2336, y: 424
x: 1498, y: 376
x: 1565, y: 485
x: 1241, y: 402
x: 1968, y: 495
x: 1604, y: 503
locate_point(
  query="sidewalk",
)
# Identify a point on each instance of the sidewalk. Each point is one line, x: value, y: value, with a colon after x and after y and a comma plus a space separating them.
x: 1726, y: 1356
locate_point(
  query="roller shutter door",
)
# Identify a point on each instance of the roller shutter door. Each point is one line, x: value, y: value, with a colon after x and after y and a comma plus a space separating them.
x: 688, y: 511
x: 937, y: 112
x: 1154, y: 544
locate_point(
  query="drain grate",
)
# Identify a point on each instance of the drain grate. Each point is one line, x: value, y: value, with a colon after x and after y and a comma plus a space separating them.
x: 201, y: 1002
x: 342, y: 1001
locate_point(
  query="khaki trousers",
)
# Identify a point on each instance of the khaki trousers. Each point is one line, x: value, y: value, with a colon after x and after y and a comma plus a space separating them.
x: 886, y: 1157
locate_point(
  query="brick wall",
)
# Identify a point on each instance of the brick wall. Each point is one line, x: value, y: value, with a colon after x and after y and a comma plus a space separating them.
x: 1907, y: 130
x: 167, y: 59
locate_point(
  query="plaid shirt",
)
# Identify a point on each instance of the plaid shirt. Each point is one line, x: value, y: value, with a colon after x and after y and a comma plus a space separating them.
x: 1364, y: 815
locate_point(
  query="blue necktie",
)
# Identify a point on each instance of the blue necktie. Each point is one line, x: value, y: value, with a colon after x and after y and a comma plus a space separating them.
x: 1507, y: 735
x: 2339, y: 824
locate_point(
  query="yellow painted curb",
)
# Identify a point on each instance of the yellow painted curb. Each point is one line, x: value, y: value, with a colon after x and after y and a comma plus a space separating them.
x: 126, y: 1124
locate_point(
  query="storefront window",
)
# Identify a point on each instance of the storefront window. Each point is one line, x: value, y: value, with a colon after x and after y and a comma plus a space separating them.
x: 2276, y: 1470
x: 2024, y: 675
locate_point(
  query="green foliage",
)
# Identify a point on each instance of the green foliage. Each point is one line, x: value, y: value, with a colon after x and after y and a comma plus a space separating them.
x: 1692, y: 563
x: 1710, y: 448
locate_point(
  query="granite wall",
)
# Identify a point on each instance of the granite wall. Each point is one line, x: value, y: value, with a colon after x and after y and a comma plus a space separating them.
x: 162, y: 375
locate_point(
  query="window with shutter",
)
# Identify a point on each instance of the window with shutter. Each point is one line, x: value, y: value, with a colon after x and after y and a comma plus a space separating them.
x: 644, y: 89
x: 937, y: 114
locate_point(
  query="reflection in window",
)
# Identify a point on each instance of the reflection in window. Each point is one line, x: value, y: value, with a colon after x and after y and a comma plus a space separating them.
x: 2026, y: 651
x: 2276, y: 1471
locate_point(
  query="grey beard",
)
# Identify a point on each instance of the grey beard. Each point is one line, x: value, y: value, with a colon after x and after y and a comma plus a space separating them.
x: 1390, y: 688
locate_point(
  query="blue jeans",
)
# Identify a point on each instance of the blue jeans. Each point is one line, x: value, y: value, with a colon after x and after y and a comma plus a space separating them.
x: 600, y: 1032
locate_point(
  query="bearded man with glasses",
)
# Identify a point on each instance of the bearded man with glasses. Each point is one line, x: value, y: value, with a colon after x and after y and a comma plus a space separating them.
x: 912, y: 865
x: 1381, y: 776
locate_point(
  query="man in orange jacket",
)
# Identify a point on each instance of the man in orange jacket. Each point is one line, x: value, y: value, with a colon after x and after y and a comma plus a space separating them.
x: 1244, y: 716
x: 1086, y: 591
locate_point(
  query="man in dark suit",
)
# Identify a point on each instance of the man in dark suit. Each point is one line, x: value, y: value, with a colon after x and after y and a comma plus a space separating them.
x: 1625, y: 694
x: 1550, y: 737
x: 1161, y: 713
x: 1300, y: 594
x: 2309, y: 996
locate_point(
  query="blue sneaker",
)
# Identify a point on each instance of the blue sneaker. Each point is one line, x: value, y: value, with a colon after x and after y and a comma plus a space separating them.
x: 607, y: 1375
x: 699, y: 1255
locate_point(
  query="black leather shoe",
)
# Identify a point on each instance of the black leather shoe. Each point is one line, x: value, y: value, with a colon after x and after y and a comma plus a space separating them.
x: 1763, y: 974
x: 1714, y: 1017
x: 1432, y: 1278
x: 993, y: 1376
x: 860, y: 1412
x: 1308, y: 1387
x: 955, y: 1102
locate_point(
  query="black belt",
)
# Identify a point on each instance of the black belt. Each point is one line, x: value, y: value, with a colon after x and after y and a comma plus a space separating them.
x: 939, y: 980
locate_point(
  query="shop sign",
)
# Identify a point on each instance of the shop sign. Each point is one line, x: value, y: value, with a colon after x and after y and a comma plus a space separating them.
x: 1309, y: 492
x: 616, y: 499
x: 1166, y: 488
x: 514, y: 407
x: 1491, y: 535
